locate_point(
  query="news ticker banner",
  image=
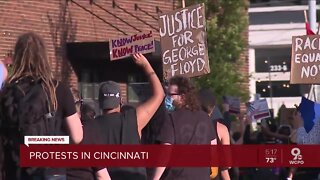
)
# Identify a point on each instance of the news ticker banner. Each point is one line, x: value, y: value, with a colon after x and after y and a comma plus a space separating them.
x: 170, y: 156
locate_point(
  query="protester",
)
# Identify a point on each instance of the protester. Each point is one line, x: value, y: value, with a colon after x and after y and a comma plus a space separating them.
x: 312, y: 137
x: 187, y: 124
x: 153, y: 128
x: 124, y: 125
x: 226, y: 120
x: 44, y: 101
x: 302, y: 137
x: 3, y: 73
x: 86, y: 113
x: 208, y: 104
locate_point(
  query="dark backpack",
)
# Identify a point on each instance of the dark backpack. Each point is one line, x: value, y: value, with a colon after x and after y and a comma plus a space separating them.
x: 25, y: 111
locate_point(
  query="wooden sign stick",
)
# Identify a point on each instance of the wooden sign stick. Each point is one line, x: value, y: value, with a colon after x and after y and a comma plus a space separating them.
x: 305, y: 16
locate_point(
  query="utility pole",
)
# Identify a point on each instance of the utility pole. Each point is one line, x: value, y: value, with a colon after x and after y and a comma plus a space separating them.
x: 313, y: 24
x: 313, y: 15
x: 270, y: 84
x: 183, y: 3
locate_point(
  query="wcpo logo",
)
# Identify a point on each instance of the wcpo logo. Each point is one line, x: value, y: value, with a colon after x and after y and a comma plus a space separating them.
x: 297, y: 157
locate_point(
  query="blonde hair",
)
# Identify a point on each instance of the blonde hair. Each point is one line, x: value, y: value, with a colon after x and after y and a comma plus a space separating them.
x: 30, y: 59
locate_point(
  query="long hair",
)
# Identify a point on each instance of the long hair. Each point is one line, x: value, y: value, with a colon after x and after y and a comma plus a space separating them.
x: 30, y: 59
x: 188, y: 91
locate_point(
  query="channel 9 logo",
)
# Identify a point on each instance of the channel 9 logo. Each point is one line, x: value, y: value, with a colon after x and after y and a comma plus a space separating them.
x: 297, y: 157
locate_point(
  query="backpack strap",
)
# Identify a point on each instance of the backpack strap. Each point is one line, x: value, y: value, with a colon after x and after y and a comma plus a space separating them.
x: 51, y: 122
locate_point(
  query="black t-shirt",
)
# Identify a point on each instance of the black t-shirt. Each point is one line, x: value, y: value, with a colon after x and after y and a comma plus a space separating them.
x: 116, y: 128
x: 107, y: 128
x: 151, y: 131
x: 66, y: 106
x: 187, y: 127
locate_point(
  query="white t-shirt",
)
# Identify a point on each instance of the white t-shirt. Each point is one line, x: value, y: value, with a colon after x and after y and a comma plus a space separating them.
x: 313, y: 137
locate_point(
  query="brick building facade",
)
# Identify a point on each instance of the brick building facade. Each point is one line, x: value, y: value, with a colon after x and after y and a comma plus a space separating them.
x: 77, y: 31
x: 61, y: 22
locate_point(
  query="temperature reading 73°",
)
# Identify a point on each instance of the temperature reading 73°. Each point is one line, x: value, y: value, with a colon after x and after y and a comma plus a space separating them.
x: 270, y: 159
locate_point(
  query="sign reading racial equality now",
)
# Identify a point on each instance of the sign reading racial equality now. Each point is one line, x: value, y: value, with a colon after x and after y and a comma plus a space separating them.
x: 183, y: 42
x: 305, y: 60
x: 127, y: 45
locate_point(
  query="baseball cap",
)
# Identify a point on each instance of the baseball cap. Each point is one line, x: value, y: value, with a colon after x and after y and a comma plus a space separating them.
x: 109, y: 95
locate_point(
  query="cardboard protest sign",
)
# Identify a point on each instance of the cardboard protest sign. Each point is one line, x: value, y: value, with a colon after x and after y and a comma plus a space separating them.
x: 305, y: 60
x: 234, y: 104
x: 127, y: 45
x: 258, y: 109
x: 183, y: 42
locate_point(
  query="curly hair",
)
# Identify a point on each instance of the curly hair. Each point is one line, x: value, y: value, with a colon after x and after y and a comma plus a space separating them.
x: 188, y: 91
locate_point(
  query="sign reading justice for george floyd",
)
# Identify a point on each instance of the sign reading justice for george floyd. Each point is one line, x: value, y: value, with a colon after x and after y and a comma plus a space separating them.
x: 305, y: 60
x: 183, y: 42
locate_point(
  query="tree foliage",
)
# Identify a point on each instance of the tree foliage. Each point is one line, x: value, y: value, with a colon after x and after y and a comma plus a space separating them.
x: 226, y: 23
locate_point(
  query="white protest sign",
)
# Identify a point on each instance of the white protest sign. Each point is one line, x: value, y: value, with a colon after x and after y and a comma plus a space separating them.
x: 127, y: 45
x: 258, y: 109
x: 46, y: 140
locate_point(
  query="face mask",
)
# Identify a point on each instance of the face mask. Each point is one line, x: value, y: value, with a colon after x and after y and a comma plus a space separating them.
x: 169, y: 103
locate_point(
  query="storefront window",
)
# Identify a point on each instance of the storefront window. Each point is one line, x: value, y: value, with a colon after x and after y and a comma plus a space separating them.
x: 273, y: 60
x: 279, y: 89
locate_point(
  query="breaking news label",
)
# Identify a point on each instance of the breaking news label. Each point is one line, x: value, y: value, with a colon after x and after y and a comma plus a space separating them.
x: 46, y: 140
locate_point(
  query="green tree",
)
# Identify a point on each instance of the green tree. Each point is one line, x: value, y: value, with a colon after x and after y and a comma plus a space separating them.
x: 227, y: 21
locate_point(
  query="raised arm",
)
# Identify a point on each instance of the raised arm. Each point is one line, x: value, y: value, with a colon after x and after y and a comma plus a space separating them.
x: 75, y: 128
x: 146, y: 110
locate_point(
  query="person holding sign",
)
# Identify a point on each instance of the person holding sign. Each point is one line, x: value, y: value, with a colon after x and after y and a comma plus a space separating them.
x: 123, y: 125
